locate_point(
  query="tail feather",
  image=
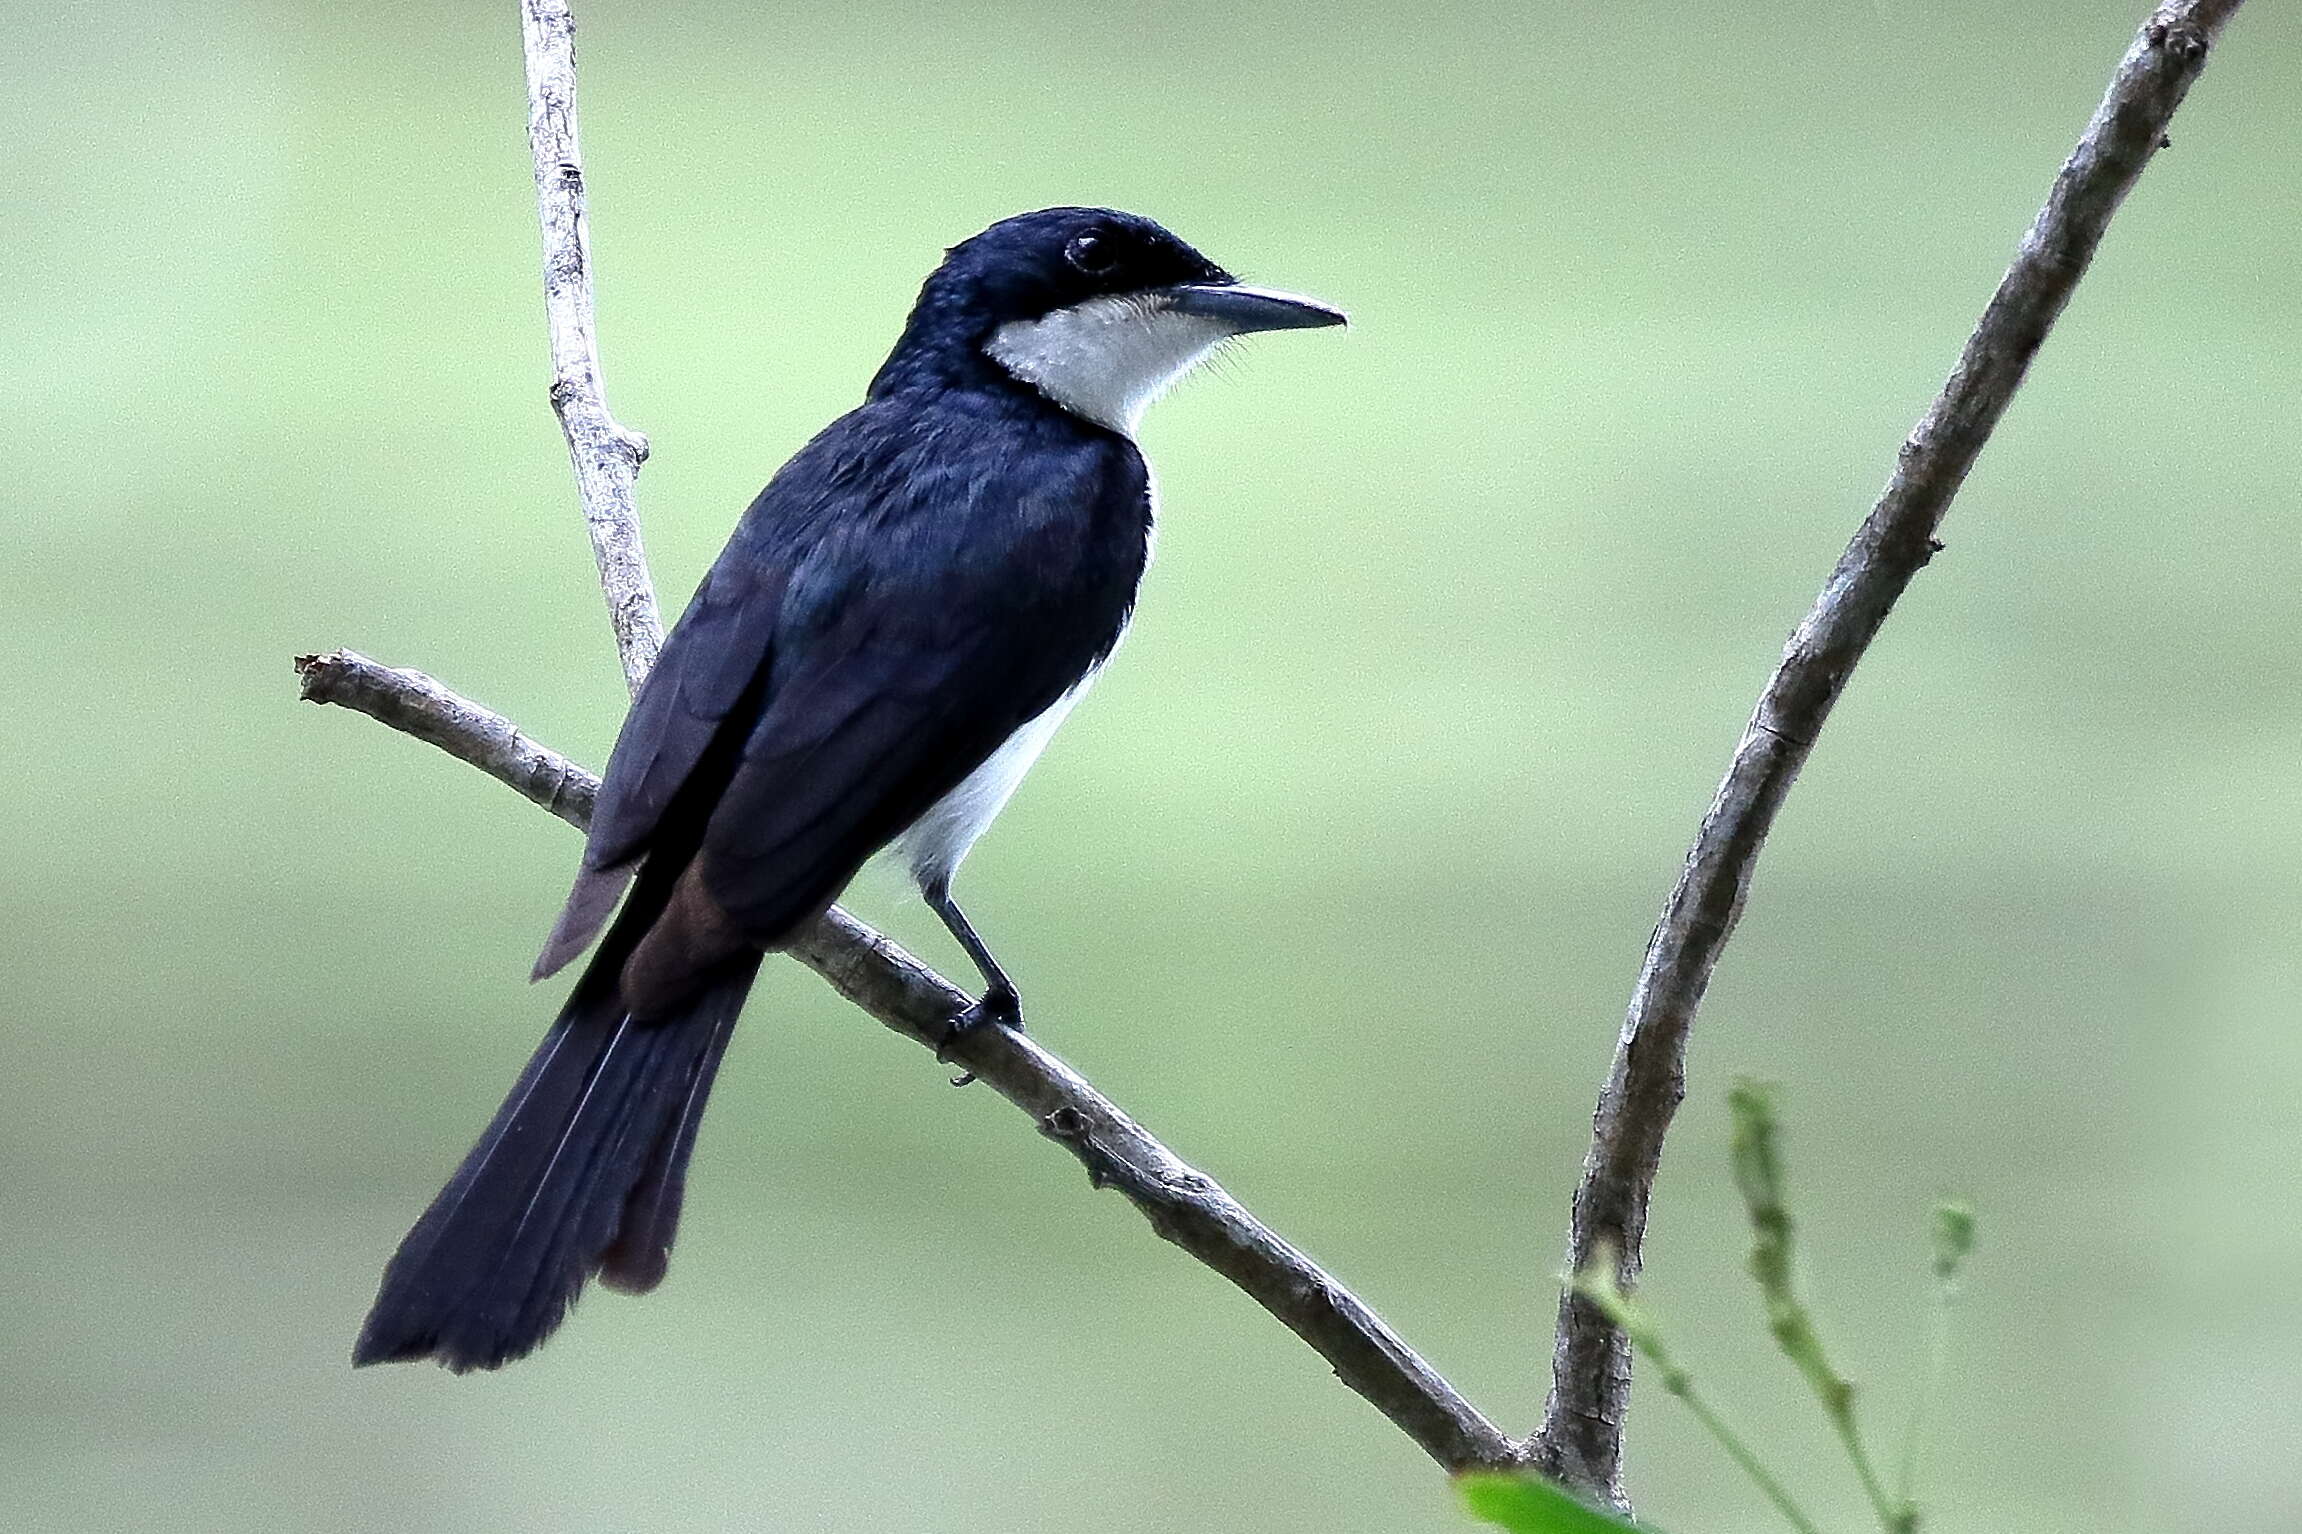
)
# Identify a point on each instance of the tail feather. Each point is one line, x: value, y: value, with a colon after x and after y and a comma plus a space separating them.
x: 581, y: 1171
x: 635, y: 1262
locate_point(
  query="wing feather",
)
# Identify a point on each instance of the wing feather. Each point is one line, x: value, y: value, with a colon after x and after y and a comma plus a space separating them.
x: 886, y: 614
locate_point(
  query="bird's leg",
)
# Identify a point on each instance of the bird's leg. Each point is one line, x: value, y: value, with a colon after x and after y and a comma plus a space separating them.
x: 999, y: 1003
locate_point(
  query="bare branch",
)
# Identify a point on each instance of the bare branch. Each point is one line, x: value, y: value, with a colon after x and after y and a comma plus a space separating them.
x: 1184, y: 1205
x: 414, y: 704
x: 1580, y: 1440
x: 606, y: 456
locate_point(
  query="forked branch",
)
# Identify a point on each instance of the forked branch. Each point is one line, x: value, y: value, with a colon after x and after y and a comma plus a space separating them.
x: 1580, y: 1440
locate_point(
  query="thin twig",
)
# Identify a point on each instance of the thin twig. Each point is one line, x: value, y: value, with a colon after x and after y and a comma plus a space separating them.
x: 1760, y: 1177
x: 414, y: 704
x: 1184, y: 1205
x: 1580, y: 1440
x: 1953, y: 1232
x: 606, y: 456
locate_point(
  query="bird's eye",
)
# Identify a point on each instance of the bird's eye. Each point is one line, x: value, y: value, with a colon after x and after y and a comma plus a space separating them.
x: 1094, y: 254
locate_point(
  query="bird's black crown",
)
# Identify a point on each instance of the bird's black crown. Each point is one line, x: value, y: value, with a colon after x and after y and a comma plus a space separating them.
x: 1022, y: 267
x: 1030, y: 265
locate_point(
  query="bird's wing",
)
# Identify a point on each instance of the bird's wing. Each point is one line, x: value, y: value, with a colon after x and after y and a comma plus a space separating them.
x: 877, y: 626
x: 910, y: 651
x: 704, y: 686
x: 886, y: 717
x: 717, y: 653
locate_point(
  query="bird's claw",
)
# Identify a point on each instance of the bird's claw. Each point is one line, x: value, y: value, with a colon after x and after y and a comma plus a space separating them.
x: 998, y: 1007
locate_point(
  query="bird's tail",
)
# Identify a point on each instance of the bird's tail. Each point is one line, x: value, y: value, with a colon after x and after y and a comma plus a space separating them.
x: 580, y: 1172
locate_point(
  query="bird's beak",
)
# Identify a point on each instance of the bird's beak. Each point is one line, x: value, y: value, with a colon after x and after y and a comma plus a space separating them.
x: 1247, y: 310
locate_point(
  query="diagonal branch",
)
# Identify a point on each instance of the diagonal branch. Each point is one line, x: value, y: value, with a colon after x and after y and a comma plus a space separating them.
x: 1580, y: 1440
x: 1184, y: 1205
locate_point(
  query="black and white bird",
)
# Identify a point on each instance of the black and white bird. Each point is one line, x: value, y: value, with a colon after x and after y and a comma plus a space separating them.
x: 899, y: 623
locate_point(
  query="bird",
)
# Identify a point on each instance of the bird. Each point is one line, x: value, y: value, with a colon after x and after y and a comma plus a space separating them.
x: 896, y: 627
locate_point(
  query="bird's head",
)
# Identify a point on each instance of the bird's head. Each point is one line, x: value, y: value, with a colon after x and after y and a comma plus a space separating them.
x: 1100, y: 311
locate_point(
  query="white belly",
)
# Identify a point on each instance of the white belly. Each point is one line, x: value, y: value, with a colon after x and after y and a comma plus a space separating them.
x: 939, y: 839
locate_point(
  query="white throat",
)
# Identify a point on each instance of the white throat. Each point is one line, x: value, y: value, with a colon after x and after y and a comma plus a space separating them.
x: 1108, y: 358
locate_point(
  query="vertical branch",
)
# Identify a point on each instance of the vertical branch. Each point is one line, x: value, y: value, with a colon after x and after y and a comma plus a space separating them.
x: 1580, y: 1440
x: 606, y: 456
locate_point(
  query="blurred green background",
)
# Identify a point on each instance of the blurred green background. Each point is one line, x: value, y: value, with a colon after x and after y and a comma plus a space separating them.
x: 1340, y: 880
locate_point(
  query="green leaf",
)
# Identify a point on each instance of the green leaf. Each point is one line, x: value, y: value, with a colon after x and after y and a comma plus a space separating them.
x: 1528, y: 1504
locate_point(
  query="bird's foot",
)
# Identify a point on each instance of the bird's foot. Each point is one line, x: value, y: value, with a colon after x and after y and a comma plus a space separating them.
x: 998, y: 1007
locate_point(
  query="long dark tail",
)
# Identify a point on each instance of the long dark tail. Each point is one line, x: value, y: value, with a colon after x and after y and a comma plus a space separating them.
x: 580, y: 1173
